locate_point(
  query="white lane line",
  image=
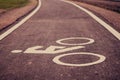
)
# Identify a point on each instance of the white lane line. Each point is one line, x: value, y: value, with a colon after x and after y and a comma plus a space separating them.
x: 105, y: 25
x: 5, y: 34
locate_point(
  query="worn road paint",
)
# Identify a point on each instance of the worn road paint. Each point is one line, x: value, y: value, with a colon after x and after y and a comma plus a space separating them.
x: 90, y: 41
x: 51, y: 49
x: 62, y: 49
x: 58, y: 49
x: 16, y: 51
x: 58, y: 61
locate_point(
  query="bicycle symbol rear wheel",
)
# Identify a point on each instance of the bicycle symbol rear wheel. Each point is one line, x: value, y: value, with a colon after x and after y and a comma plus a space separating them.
x: 58, y: 61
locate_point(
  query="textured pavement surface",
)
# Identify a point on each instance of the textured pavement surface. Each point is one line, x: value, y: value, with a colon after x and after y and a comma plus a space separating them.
x: 54, y: 21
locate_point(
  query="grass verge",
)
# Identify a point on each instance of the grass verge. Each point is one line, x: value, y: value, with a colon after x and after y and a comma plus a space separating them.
x: 10, y: 4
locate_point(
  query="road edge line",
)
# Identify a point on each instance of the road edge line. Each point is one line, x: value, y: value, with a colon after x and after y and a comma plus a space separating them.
x: 9, y: 31
x: 100, y: 21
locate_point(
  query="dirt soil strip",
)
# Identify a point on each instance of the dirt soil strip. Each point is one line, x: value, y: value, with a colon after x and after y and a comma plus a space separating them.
x: 107, y: 4
x: 108, y: 16
x: 9, y: 17
x: 1, y: 11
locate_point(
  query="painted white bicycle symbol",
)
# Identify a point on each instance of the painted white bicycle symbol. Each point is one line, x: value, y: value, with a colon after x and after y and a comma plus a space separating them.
x: 64, y: 48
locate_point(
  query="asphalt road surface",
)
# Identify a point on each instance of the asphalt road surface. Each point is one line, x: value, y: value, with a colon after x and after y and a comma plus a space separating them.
x: 60, y: 42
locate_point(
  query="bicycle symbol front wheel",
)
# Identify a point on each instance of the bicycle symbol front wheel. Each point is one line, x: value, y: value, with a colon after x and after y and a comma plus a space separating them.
x: 58, y: 61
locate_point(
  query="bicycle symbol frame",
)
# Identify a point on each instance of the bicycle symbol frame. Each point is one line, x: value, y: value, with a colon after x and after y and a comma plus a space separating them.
x: 60, y: 49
